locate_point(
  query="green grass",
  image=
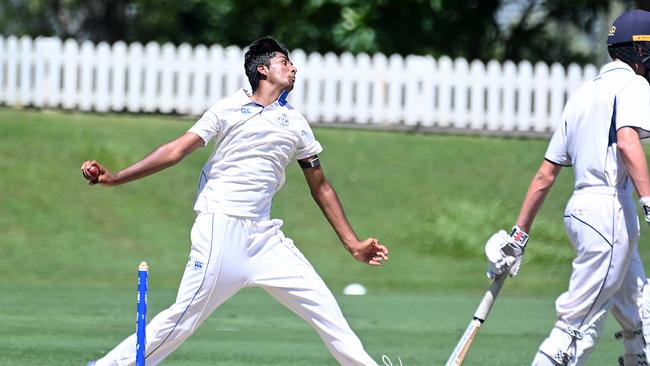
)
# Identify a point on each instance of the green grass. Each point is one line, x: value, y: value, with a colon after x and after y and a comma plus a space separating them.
x: 68, y: 325
x: 69, y: 252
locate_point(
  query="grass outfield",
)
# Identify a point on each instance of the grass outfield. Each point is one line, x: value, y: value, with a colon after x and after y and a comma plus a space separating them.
x: 69, y: 252
x: 68, y: 325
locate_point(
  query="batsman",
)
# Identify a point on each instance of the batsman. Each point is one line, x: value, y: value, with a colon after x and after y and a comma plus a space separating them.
x: 599, y: 136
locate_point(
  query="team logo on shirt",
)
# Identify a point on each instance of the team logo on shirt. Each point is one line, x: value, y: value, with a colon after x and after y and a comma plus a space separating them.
x: 196, y: 264
x: 283, y: 120
x: 245, y: 110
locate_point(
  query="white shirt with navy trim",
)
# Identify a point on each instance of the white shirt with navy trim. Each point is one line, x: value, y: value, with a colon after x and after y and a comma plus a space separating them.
x: 254, y: 145
x: 586, y: 137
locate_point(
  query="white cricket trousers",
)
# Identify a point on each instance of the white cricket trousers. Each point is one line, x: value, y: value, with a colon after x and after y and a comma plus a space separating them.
x: 230, y: 253
x: 603, y: 227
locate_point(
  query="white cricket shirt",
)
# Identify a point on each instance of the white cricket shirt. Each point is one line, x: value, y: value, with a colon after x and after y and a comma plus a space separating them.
x: 254, y: 145
x: 586, y: 137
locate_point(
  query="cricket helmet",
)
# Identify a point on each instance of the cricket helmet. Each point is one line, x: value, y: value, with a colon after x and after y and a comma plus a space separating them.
x: 629, y: 38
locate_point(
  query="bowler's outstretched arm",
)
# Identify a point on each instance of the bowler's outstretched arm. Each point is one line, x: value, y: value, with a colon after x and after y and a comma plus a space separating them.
x: 163, y: 157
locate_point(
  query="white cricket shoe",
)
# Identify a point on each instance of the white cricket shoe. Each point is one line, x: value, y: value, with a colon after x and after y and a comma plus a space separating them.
x: 387, y: 361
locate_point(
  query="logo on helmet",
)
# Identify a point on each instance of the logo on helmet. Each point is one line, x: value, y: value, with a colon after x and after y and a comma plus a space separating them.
x: 612, y: 30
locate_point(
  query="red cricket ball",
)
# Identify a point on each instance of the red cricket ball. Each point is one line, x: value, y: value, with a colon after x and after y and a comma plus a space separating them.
x: 91, y: 172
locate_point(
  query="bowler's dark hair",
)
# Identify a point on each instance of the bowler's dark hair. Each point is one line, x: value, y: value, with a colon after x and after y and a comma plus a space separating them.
x: 259, y: 53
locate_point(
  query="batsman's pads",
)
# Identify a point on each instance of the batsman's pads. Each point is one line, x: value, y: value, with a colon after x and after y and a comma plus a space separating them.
x: 645, y: 317
x: 634, y: 348
x: 566, y: 345
x: 644, y: 202
x: 505, y: 251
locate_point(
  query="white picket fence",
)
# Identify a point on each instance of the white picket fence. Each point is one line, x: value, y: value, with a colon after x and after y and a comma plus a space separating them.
x: 376, y: 91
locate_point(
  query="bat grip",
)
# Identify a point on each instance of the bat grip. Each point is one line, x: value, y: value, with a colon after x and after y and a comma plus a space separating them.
x: 488, y: 299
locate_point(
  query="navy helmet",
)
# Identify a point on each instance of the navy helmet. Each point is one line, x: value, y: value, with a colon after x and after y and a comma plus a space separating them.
x: 631, y: 26
x: 629, y: 38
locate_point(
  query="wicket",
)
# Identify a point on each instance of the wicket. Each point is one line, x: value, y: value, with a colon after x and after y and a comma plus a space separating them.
x: 141, y: 321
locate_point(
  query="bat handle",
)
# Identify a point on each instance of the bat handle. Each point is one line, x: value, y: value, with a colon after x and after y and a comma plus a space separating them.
x: 484, y: 307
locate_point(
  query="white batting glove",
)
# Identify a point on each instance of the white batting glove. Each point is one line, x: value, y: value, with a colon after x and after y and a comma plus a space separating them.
x: 645, y: 207
x: 504, y: 252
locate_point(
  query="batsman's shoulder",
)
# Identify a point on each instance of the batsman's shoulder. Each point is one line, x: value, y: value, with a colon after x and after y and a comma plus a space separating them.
x: 639, y: 84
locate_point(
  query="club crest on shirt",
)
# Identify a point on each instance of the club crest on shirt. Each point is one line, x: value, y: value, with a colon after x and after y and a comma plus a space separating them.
x: 245, y: 110
x: 283, y: 120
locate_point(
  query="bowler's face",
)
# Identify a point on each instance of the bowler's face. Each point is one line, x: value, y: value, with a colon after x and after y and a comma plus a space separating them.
x: 282, y: 72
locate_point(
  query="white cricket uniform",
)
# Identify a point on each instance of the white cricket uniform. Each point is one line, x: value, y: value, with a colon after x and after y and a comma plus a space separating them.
x: 600, y: 218
x: 235, y: 244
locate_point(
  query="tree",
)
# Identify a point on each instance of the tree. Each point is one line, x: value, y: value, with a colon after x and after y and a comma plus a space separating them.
x: 536, y: 30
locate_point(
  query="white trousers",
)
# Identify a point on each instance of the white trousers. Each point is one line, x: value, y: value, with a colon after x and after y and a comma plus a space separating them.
x: 607, y: 274
x: 228, y: 254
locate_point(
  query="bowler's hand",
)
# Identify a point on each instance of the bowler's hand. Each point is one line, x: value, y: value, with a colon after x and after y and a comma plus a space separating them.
x: 105, y: 176
x: 369, y: 251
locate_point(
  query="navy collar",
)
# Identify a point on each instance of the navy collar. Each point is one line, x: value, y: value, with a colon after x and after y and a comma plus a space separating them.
x: 244, y: 98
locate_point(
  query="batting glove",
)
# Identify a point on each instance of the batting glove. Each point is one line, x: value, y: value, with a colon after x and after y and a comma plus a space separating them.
x: 504, y: 252
x: 645, y: 206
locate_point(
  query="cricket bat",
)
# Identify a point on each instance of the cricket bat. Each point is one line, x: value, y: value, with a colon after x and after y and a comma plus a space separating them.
x: 462, y: 348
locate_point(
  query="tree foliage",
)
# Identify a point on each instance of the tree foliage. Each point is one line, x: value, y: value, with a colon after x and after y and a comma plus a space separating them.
x: 537, y: 30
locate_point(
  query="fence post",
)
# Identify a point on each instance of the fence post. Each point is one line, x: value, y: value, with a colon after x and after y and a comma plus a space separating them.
x: 524, y: 96
x: 460, y: 90
x: 12, y: 70
x: 445, y: 92
x: 198, y: 102
x: 184, y: 72
x: 314, y: 69
x: 3, y: 78
x: 541, y: 93
x: 70, y: 93
x: 151, y: 76
x: 349, y: 76
x: 135, y: 77
x: 379, y: 99
x: 26, y: 93
x: 329, y: 110
x: 362, y: 106
x: 558, y: 94
x: 87, y: 75
x: 165, y: 100
x: 494, y: 115
x: 477, y: 108
x: 509, y: 95
x: 117, y: 73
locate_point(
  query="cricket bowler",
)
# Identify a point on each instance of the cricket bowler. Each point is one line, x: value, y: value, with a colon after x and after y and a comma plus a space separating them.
x: 235, y: 243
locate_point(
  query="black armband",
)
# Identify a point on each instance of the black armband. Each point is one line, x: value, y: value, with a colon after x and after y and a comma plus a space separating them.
x: 313, y: 163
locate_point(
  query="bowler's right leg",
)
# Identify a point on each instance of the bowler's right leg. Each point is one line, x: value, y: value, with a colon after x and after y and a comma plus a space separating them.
x: 198, y: 295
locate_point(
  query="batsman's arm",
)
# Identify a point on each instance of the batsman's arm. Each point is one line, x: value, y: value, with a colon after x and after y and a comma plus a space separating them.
x: 162, y: 157
x: 634, y: 160
x: 537, y: 191
x: 369, y: 251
